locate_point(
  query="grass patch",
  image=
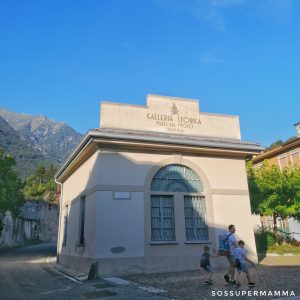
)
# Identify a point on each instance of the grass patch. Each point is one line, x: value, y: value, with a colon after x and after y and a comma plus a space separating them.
x: 266, y: 243
x: 283, y: 249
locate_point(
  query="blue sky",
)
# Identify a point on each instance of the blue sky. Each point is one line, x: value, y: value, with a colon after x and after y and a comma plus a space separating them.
x: 238, y: 57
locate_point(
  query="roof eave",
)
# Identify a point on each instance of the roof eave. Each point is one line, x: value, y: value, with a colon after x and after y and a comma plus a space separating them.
x: 247, y: 149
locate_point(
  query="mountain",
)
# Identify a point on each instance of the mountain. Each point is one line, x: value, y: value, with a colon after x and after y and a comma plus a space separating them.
x: 54, y: 140
x: 27, y: 158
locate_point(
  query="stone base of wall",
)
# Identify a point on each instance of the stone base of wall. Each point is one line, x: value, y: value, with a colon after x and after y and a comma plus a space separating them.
x: 121, y: 266
x: 138, y: 265
x: 78, y: 263
x: 106, y: 266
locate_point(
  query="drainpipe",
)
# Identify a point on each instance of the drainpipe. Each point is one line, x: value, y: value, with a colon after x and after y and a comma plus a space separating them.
x: 59, y: 222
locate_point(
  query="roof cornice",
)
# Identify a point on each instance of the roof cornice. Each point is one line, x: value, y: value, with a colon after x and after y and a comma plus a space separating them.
x: 143, y: 141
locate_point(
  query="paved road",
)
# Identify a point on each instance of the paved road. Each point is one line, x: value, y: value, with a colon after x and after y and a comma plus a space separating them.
x: 26, y: 273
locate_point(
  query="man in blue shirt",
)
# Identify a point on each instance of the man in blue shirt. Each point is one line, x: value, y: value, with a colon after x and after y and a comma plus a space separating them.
x: 229, y: 276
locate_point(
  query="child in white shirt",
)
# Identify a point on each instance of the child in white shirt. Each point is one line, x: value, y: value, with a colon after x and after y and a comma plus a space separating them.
x: 239, y: 262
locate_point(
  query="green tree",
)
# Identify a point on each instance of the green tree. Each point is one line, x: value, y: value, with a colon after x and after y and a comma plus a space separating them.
x: 11, y: 196
x: 39, y: 173
x: 275, y: 144
x: 274, y: 192
x: 50, y: 171
x: 40, y: 185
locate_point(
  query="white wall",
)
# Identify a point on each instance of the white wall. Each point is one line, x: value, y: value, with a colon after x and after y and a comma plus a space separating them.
x: 223, y: 173
x: 72, y: 229
x: 235, y: 209
x: 120, y: 223
x: 73, y: 187
x: 80, y: 180
x: 123, y: 169
x: 133, y: 117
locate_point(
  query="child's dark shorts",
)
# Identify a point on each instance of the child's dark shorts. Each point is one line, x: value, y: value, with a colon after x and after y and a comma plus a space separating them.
x: 242, y: 267
x: 207, y: 268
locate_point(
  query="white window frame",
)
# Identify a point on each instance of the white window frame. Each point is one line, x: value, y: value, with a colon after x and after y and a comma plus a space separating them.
x: 292, y: 152
x: 279, y: 158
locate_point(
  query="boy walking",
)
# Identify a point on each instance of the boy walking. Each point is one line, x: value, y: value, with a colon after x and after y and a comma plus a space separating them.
x: 240, y: 257
x: 205, y: 264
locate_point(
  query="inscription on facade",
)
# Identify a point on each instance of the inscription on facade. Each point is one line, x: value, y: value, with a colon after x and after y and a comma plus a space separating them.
x: 174, y: 122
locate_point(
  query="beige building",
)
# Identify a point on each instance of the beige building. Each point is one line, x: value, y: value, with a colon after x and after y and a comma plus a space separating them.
x: 285, y: 155
x: 148, y: 189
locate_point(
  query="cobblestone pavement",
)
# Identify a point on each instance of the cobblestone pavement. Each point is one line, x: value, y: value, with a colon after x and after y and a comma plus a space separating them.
x: 271, y: 283
x: 27, y: 273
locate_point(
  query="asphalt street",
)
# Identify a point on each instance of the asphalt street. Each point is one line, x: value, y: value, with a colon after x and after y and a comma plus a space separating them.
x: 27, y: 273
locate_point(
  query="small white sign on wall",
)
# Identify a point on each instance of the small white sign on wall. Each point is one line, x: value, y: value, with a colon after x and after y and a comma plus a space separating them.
x: 122, y: 196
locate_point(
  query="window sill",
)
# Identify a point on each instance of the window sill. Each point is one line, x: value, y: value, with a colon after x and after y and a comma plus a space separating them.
x: 164, y: 243
x: 197, y: 242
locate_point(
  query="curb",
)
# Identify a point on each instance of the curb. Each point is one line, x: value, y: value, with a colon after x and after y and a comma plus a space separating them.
x: 73, y: 275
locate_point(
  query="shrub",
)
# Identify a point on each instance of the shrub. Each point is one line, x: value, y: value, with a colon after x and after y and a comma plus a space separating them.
x: 264, y: 240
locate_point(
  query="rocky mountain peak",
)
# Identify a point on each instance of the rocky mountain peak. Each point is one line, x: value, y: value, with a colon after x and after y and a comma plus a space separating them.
x: 55, y: 140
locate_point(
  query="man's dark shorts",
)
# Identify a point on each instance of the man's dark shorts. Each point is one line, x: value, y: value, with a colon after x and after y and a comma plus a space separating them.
x: 230, y: 259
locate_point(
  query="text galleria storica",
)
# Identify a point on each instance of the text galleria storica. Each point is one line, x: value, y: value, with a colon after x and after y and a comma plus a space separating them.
x: 170, y: 118
x: 188, y: 121
x: 253, y: 293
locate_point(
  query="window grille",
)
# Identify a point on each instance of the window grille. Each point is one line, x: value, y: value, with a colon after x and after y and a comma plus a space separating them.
x: 162, y: 218
x: 195, y: 221
x: 176, y: 178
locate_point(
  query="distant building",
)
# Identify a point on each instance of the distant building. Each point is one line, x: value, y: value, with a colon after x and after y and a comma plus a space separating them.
x: 148, y: 189
x: 287, y: 154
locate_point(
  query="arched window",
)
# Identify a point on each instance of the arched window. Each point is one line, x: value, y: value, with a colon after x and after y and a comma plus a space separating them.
x: 171, y: 179
x: 176, y: 178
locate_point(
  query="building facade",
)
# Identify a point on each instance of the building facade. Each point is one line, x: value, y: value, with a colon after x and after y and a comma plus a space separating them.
x: 149, y: 188
x: 285, y: 155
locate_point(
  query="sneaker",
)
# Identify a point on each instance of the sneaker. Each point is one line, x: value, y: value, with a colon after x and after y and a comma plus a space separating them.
x: 226, y: 277
x: 207, y: 282
x: 210, y: 281
x: 251, y: 284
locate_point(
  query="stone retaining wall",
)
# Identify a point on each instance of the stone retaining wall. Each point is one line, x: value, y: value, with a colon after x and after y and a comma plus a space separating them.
x: 37, y: 220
